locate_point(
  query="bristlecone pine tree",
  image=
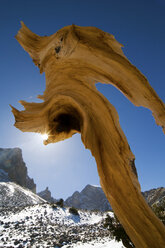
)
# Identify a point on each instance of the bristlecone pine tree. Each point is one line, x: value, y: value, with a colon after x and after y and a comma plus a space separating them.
x: 60, y: 203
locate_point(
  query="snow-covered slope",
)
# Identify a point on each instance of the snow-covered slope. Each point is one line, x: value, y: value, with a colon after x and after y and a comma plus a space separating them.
x: 12, y: 195
x: 46, y: 225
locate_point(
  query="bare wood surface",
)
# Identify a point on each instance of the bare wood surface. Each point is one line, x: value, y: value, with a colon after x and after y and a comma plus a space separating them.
x: 74, y: 59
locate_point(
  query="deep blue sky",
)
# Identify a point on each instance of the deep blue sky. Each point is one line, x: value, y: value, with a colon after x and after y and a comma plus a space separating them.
x: 67, y: 166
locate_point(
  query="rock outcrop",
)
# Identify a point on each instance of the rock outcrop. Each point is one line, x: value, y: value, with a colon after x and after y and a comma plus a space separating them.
x: 46, y: 194
x: 90, y: 198
x: 4, y: 176
x: 12, y: 164
x: 74, y: 59
x: 30, y: 184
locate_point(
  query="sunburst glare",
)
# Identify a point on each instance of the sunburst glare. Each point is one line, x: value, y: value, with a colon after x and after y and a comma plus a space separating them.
x: 44, y: 136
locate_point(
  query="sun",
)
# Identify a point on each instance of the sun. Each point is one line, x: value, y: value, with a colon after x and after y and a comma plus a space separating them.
x: 44, y: 136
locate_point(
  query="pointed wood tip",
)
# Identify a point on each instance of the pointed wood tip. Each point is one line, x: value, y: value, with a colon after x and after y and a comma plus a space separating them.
x: 23, y: 27
x: 22, y: 23
x: 15, y: 111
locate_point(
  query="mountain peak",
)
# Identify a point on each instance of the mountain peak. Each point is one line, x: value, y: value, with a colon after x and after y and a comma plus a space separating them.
x: 91, y: 198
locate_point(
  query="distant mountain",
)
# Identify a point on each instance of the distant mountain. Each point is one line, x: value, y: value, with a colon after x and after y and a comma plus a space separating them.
x: 13, y: 168
x: 154, y: 195
x: 13, y: 195
x: 91, y: 198
x: 46, y: 194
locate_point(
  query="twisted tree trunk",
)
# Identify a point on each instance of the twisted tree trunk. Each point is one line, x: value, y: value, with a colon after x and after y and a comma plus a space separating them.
x: 74, y: 59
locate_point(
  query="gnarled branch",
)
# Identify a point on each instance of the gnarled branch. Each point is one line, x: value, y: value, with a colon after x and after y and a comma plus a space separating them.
x: 74, y: 59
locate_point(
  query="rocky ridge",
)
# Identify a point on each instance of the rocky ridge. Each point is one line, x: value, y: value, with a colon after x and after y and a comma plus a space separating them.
x: 13, y: 195
x: 93, y: 197
x: 154, y: 196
